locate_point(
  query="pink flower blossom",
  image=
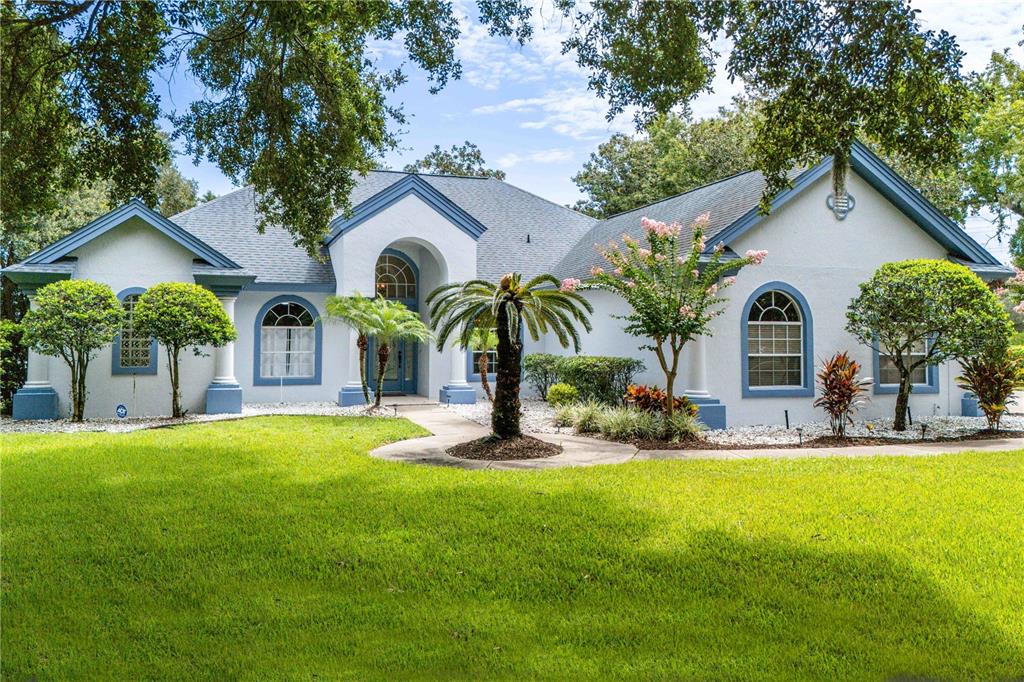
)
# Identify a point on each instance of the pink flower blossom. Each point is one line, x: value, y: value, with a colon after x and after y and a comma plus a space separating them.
x: 719, y: 247
x: 680, y: 260
x: 596, y: 270
x: 627, y: 240
x: 1019, y: 308
x: 655, y: 227
x: 712, y: 290
x: 618, y: 271
x: 695, y: 272
x: 702, y: 244
x: 756, y: 257
x: 687, y: 311
x: 644, y: 253
x: 631, y: 284
x: 702, y: 220
x: 569, y: 284
x: 659, y: 257
x: 729, y: 281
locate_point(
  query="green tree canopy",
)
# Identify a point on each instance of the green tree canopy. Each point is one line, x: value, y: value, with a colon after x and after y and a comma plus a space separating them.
x: 464, y: 159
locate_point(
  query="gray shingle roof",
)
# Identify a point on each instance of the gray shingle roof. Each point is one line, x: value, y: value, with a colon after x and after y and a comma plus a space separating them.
x: 510, y: 214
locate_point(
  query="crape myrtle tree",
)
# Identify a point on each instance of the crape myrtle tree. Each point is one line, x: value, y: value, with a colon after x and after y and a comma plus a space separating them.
x: 182, y: 315
x: 390, y: 322
x: 672, y: 286
x: 539, y: 305
x: 357, y: 312
x: 72, y: 319
x: 940, y: 305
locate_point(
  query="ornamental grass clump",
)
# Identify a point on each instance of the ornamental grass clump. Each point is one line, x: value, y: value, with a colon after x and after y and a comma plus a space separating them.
x: 842, y: 391
x: 681, y: 426
x: 993, y: 377
x: 586, y: 416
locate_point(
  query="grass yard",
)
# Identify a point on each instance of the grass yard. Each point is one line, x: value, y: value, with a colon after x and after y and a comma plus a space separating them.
x: 276, y: 548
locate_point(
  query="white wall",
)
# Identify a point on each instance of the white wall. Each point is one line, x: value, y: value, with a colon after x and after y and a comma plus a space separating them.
x: 825, y: 259
x: 134, y: 255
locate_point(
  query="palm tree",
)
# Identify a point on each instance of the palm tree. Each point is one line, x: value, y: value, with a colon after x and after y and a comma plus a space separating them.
x: 482, y: 341
x: 541, y: 304
x: 354, y: 311
x: 389, y: 322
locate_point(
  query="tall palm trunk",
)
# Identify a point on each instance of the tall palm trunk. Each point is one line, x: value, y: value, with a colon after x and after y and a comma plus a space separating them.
x: 482, y: 366
x: 505, y: 414
x: 363, y: 344
x: 383, y: 352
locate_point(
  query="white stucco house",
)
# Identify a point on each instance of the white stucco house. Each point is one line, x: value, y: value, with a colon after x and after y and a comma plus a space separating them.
x: 409, y: 233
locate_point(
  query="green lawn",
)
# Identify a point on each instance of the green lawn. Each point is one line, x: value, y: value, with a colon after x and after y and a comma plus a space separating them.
x: 276, y: 548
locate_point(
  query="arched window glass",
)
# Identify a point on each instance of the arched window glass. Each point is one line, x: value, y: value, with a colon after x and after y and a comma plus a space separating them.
x: 136, y: 349
x: 395, y: 277
x: 775, y: 342
x: 287, y: 342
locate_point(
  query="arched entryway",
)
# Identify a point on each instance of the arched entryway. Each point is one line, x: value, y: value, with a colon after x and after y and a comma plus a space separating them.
x: 396, y: 277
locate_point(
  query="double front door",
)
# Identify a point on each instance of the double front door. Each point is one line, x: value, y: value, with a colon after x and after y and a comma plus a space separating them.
x: 400, y: 375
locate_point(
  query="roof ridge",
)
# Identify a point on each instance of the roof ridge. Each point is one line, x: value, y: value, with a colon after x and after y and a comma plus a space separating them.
x: 680, y: 194
x: 431, y: 175
x: 211, y: 201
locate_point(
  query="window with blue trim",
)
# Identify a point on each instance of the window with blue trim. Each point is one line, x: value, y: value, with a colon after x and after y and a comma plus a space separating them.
x: 777, y: 343
x: 133, y: 353
x: 287, y: 342
x: 924, y: 378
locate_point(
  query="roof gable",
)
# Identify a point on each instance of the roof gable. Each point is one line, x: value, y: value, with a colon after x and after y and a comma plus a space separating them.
x: 893, y: 187
x: 410, y: 185
x: 120, y: 215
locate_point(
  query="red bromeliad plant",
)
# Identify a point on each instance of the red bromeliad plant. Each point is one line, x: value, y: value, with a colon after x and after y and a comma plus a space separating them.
x: 673, y: 285
x: 652, y: 399
x: 842, y: 392
x: 993, y: 377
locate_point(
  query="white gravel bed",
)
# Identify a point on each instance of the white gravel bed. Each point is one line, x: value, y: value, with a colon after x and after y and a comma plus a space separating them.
x: 538, y: 418
x: 8, y: 425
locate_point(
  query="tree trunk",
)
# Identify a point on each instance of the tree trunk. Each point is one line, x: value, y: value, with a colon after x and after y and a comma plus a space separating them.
x: 670, y: 401
x: 383, y: 352
x: 77, y: 393
x: 363, y: 344
x: 505, y: 413
x: 482, y: 366
x: 899, y: 422
x: 173, y: 370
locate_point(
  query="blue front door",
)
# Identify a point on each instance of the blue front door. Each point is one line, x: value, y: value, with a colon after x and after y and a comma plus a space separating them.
x: 400, y: 375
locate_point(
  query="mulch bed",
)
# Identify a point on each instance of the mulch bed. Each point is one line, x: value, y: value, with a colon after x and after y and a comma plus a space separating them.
x: 821, y: 442
x: 494, y: 449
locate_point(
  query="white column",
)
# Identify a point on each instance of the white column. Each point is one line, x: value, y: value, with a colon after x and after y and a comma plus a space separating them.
x: 224, y: 357
x: 697, y: 369
x: 458, y: 368
x: 37, y: 374
x: 353, y: 362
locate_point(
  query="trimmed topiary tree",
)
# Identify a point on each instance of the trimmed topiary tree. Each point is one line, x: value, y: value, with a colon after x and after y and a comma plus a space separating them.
x: 182, y: 315
x: 72, y: 319
x: 937, y: 303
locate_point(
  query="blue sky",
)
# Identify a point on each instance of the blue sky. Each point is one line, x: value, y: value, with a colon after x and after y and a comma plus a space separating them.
x: 530, y: 112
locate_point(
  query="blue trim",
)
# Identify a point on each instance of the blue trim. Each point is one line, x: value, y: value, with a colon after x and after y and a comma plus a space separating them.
x: 319, y: 287
x: 969, y: 406
x: 409, y: 185
x: 890, y: 185
x: 932, y: 374
x: 807, y: 387
x: 710, y: 411
x: 115, y: 349
x: 353, y: 395
x: 314, y: 380
x: 223, y: 399
x: 35, y: 403
x: 456, y: 395
x: 133, y: 209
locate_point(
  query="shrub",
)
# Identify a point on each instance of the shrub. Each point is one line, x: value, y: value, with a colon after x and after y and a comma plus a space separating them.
x: 72, y: 319
x: 652, y: 399
x: 565, y: 415
x: 541, y: 370
x: 586, y: 416
x: 12, y: 362
x: 993, y: 377
x: 681, y: 426
x: 841, y: 391
x: 618, y: 423
x: 562, y: 394
x: 598, y: 377
x: 182, y: 315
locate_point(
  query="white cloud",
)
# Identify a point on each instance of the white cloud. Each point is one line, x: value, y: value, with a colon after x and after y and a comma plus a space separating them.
x: 573, y: 112
x: 538, y: 156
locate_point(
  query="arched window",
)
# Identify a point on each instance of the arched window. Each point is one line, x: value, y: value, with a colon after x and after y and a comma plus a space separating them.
x: 133, y: 353
x: 288, y: 340
x: 395, y: 277
x: 777, y: 343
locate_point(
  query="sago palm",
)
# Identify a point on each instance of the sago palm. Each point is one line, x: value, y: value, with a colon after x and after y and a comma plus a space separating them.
x: 355, y: 311
x: 388, y: 323
x: 541, y: 305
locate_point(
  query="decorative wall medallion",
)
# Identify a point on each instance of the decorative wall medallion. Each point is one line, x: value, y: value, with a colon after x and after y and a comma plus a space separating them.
x: 840, y: 206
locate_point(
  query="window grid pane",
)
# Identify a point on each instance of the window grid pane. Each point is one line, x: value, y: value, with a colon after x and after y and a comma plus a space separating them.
x: 135, y: 348
x: 889, y: 374
x: 775, y: 338
x: 395, y: 277
x: 288, y: 342
x: 492, y: 362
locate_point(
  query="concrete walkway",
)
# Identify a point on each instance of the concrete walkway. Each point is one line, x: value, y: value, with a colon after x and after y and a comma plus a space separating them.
x: 449, y: 429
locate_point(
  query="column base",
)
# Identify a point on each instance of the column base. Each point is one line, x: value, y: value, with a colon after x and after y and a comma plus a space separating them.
x: 352, y: 395
x: 969, y: 406
x: 35, y: 403
x: 710, y: 411
x: 463, y: 394
x: 224, y: 399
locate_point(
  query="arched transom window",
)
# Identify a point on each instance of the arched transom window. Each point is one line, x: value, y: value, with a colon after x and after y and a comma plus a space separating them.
x: 287, y: 342
x: 136, y: 350
x: 775, y: 342
x: 395, y: 277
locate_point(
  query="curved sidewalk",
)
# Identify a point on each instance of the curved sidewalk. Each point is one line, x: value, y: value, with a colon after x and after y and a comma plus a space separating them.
x: 449, y: 429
